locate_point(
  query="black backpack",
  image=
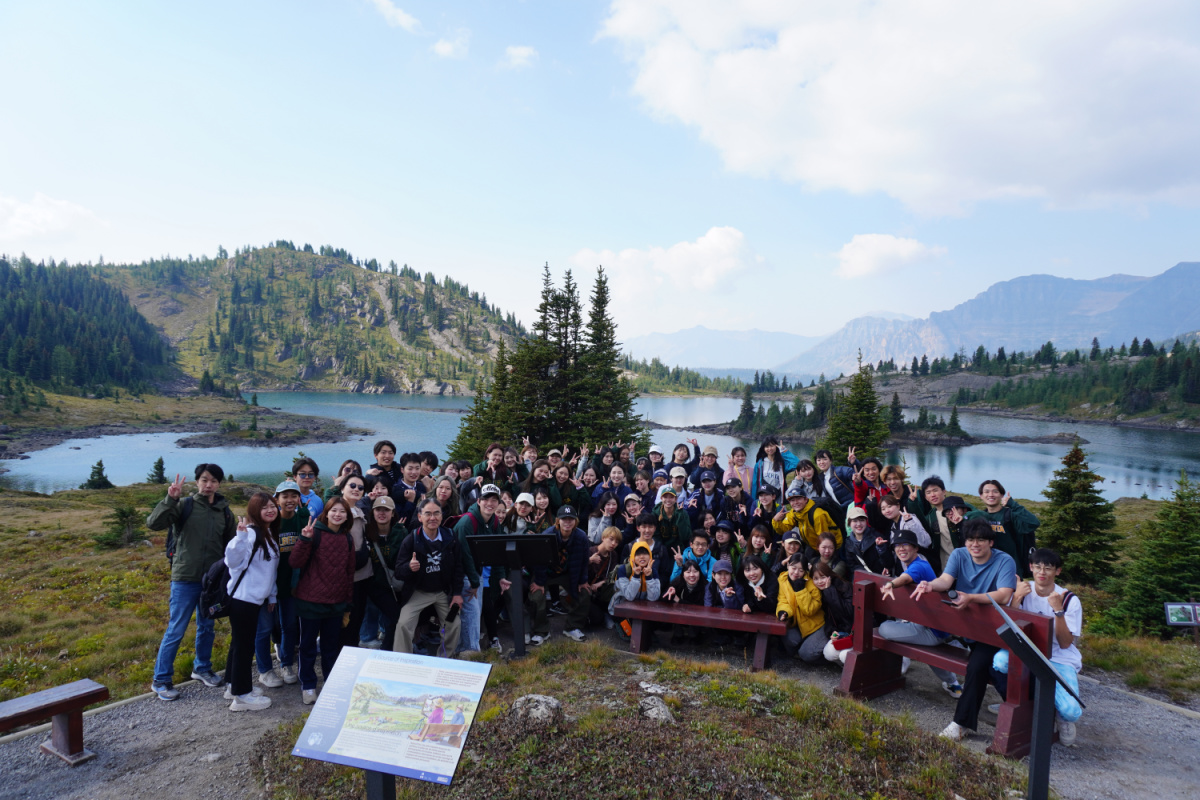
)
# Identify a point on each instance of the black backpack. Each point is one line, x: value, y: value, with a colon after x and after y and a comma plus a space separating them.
x: 173, y: 530
x: 214, y: 597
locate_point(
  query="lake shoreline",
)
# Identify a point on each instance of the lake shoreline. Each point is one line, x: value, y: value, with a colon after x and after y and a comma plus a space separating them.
x: 920, y: 438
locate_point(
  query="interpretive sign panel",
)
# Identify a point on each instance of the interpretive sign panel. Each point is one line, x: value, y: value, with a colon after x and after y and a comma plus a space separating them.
x: 401, y: 714
x: 1182, y: 614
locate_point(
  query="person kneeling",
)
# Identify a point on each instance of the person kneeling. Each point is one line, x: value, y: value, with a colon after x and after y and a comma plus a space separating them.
x: 569, y: 570
x: 429, y: 563
x: 800, y: 607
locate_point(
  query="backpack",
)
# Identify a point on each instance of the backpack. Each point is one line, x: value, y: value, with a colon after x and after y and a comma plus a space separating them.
x: 176, y: 527
x: 214, y: 597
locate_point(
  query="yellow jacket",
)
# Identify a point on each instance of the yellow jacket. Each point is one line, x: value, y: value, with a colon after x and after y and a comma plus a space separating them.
x: 821, y: 522
x: 803, y: 607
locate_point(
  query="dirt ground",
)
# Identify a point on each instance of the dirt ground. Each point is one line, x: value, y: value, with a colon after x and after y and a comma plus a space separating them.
x: 1128, y: 748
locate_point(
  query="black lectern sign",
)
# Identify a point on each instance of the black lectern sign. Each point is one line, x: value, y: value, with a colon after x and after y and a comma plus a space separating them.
x: 514, y: 552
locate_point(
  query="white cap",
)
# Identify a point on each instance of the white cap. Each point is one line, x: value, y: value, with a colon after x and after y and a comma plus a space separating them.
x: 525, y: 497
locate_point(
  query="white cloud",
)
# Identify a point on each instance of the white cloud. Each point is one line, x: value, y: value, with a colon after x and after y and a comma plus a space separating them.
x: 517, y: 56
x: 453, y: 48
x: 940, y: 104
x: 42, y: 218
x: 662, y: 285
x: 395, y: 16
x: 872, y: 253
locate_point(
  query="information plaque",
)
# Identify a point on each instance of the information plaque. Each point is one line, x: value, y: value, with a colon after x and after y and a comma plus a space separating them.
x: 393, y: 713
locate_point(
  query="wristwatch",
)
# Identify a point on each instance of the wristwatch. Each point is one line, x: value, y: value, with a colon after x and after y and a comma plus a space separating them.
x: 1060, y: 613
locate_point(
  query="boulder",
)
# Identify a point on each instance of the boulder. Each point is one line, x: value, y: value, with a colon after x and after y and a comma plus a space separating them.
x: 653, y: 708
x: 536, y: 709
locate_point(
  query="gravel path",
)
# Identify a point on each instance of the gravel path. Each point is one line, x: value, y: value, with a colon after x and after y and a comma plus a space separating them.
x: 1128, y: 749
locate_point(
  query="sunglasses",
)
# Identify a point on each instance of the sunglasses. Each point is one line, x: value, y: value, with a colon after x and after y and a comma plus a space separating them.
x: 305, y: 475
x: 354, y: 486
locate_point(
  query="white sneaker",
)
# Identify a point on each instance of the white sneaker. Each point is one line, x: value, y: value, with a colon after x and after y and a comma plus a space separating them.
x: 372, y: 644
x: 496, y: 644
x: 269, y: 679
x: 527, y: 639
x: 250, y: 702
x: 609, y: 623
x: 308, y: 696
x: 288, y: 672
x: 257, y: 690
x: 536, y: 640
x: 954, y: 732
x: 575, y: 635
x: 904, y: 662
x: 994, y: 708
x: 1066, y: 733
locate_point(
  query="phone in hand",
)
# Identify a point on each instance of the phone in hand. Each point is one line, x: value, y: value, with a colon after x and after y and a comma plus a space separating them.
x: 453, y: 615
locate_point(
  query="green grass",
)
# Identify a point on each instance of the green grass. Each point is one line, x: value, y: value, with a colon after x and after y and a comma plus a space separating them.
x: 736, y: 734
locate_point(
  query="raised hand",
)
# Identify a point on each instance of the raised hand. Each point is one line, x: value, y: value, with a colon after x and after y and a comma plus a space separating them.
x: 414, y: 564
x: 850, y: 457
x: 730, y: 591
x: 678, y: 556
x: 693, y: 441
x: 921, y: 589
x: 308, y: 531
x: 758, y: 592
x: 670, y: 594
x: 524, y: 441
x: 912, y: 492
x: 885, y: 591
x: 241, y: 524
x: 1024, y: 588
x: 1004, y: 500
x: 741, y: 537
x: 175, y: 490
x: 594, y: 558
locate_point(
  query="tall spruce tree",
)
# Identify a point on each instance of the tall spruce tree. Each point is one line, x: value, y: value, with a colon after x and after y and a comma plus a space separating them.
x: 856, y: 420
x: 97, y: 480
x: 746, y: 412
x: 158, y: 473
x: 1079, y: 522
x: 953, y: 427
x: 896, y: 414
x: 1166, y: 564
x: 607, y: 412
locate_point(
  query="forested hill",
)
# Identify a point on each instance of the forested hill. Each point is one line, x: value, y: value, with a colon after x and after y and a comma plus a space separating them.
x: 66, y: 328
x: 287, y: 318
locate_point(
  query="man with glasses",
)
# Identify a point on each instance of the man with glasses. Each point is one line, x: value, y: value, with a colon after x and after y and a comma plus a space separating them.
x: 304, y: 473
x: 430, y: 565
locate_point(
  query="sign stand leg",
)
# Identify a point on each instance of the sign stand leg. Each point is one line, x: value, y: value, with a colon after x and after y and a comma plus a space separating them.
x: 1043, y: 737
x: 380, y: 785
x: 516, y: 602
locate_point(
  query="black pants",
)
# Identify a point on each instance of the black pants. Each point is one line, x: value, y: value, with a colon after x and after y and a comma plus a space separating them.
x: 979, y: 674
x: 384, y: 600
x: 243, y: 622
x: 492, y: 602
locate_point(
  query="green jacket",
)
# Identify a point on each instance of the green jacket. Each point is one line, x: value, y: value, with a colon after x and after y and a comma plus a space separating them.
x: 673, y: 531
x: 468, y: 527
x: 1015, y: 528
x: 202, y: 541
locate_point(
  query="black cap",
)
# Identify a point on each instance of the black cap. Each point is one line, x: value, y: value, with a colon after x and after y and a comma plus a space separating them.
x: 904, y: 537
x: 566, y: 512
x: 767, y: 488
x: 733, y: 482
x: 707, y: 475
x: 954, y: 501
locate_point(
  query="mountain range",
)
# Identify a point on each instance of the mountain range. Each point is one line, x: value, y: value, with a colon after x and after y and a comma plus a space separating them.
x: 701, y: 348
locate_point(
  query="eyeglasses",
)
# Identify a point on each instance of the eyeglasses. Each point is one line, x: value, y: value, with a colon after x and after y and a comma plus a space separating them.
x: 305, y: 475
x: 354, y: 486
x: 1042, y: 567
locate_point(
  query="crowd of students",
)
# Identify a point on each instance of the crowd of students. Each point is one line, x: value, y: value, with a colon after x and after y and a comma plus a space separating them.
x: 391, y: 547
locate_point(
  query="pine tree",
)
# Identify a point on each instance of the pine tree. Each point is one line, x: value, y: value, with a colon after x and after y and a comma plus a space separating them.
x: 953, y: 427
x: 896, y: 416
x: 1079, y: 522
x: 857, y: 421
x: 158, y: 473
x: 746, y: 412
x: 1166, y: 564
x: 97, y: 480
x: 924, y: 365
x: 1095, y: 354
x: 916, y: 368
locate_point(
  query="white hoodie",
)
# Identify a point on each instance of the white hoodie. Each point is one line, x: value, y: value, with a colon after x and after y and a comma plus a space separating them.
x: 258, y: 586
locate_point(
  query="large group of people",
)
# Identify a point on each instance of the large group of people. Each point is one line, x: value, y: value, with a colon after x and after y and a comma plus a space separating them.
x: 384, y: 557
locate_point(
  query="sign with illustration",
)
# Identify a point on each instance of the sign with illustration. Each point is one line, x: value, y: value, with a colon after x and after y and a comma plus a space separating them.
x: 406, y: 715
x: 1182, y: 614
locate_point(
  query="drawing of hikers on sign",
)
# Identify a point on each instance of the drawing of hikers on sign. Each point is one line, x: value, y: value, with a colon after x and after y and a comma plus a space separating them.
x: 438, y: 717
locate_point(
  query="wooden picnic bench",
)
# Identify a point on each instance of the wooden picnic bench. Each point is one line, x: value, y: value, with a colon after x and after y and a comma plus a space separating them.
x: 873, y: 666
x: 63, y: 705
x: 440, y: 731
x: 643, y: 611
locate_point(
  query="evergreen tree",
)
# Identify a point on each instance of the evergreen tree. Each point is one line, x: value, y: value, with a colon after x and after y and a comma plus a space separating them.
x: 916, y: 368
x: 1095, y: 354
x: 896, y: 416
x: 254, y: 399
x: 157, y: 474
x: 857, y: 421
x: 953, y: 427
x: 97, y: 480
x: 746, y: 412
x: 607, y: 412
x: 1166, y: 564
x: 924, y: 365
x: 1135, y: 347
x: 1079, y: 522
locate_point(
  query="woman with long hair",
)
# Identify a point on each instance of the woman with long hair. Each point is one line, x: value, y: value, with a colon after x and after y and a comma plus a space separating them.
x: 772, y: 463
x: 252, y: 558
x: 540, y: 478
x: 324, y: 561
x: 601, y: 519
x: 349, y: 467
x: 446, y: 494
x: 382, y: 534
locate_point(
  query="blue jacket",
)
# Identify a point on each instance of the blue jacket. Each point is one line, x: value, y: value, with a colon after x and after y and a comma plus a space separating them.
x: 715, y: 504
x: 705, y: 562
x: 842, y: 479
x: 622, y: 491
x: 714, y: 597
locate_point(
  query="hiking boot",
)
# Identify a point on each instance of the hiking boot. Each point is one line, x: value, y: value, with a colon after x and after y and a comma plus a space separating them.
x: 229, y: 691
x: 250, y: 702
x: 165, y: 691
x: 288, y: 672
x: 575, y: 635
x: 308, y: 696
x: 209, y: 678
x: 269, y: 679
x: 1066, y: 733
x: 954, y: 732
x: 955, y: 689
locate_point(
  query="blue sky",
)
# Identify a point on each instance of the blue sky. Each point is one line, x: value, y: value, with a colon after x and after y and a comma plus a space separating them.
x: 782, y: 166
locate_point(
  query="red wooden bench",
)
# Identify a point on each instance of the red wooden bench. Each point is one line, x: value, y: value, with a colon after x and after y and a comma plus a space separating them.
x: 642, y: 611
x: 64, y: 706
x: 873, y: 666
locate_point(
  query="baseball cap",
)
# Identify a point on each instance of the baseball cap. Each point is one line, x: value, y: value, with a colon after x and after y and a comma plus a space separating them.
x: 707, y: 475
x: 678, y: 471
x: 383, y: 501
x: 489, y: 489
x: 288, y: 486
x: 566, y: 512
x: 655, y: 449
x: 525, y: 497
x: 855, y: 512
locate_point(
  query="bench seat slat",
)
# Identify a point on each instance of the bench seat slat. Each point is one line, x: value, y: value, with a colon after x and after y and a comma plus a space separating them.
x: 701, y: 616
x: 50, y: 702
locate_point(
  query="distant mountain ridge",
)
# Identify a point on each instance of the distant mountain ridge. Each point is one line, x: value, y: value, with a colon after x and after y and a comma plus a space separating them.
x: 700, y: 347
x: 1021, y: 314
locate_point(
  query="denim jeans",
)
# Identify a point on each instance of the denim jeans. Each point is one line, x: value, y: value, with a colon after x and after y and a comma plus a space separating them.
x: 329, y: 631
x: 289, y: 634
x: 472, y: 611
x: 185, y: 595
x: 1067, y: 706
x: 371, y: 624
x: 913, y: 633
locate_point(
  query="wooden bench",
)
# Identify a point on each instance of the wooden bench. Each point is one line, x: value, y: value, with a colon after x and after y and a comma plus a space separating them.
x: 642, y: 611
x: 873, y: 666
x: 63, y: 705
x: 440, y: 731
